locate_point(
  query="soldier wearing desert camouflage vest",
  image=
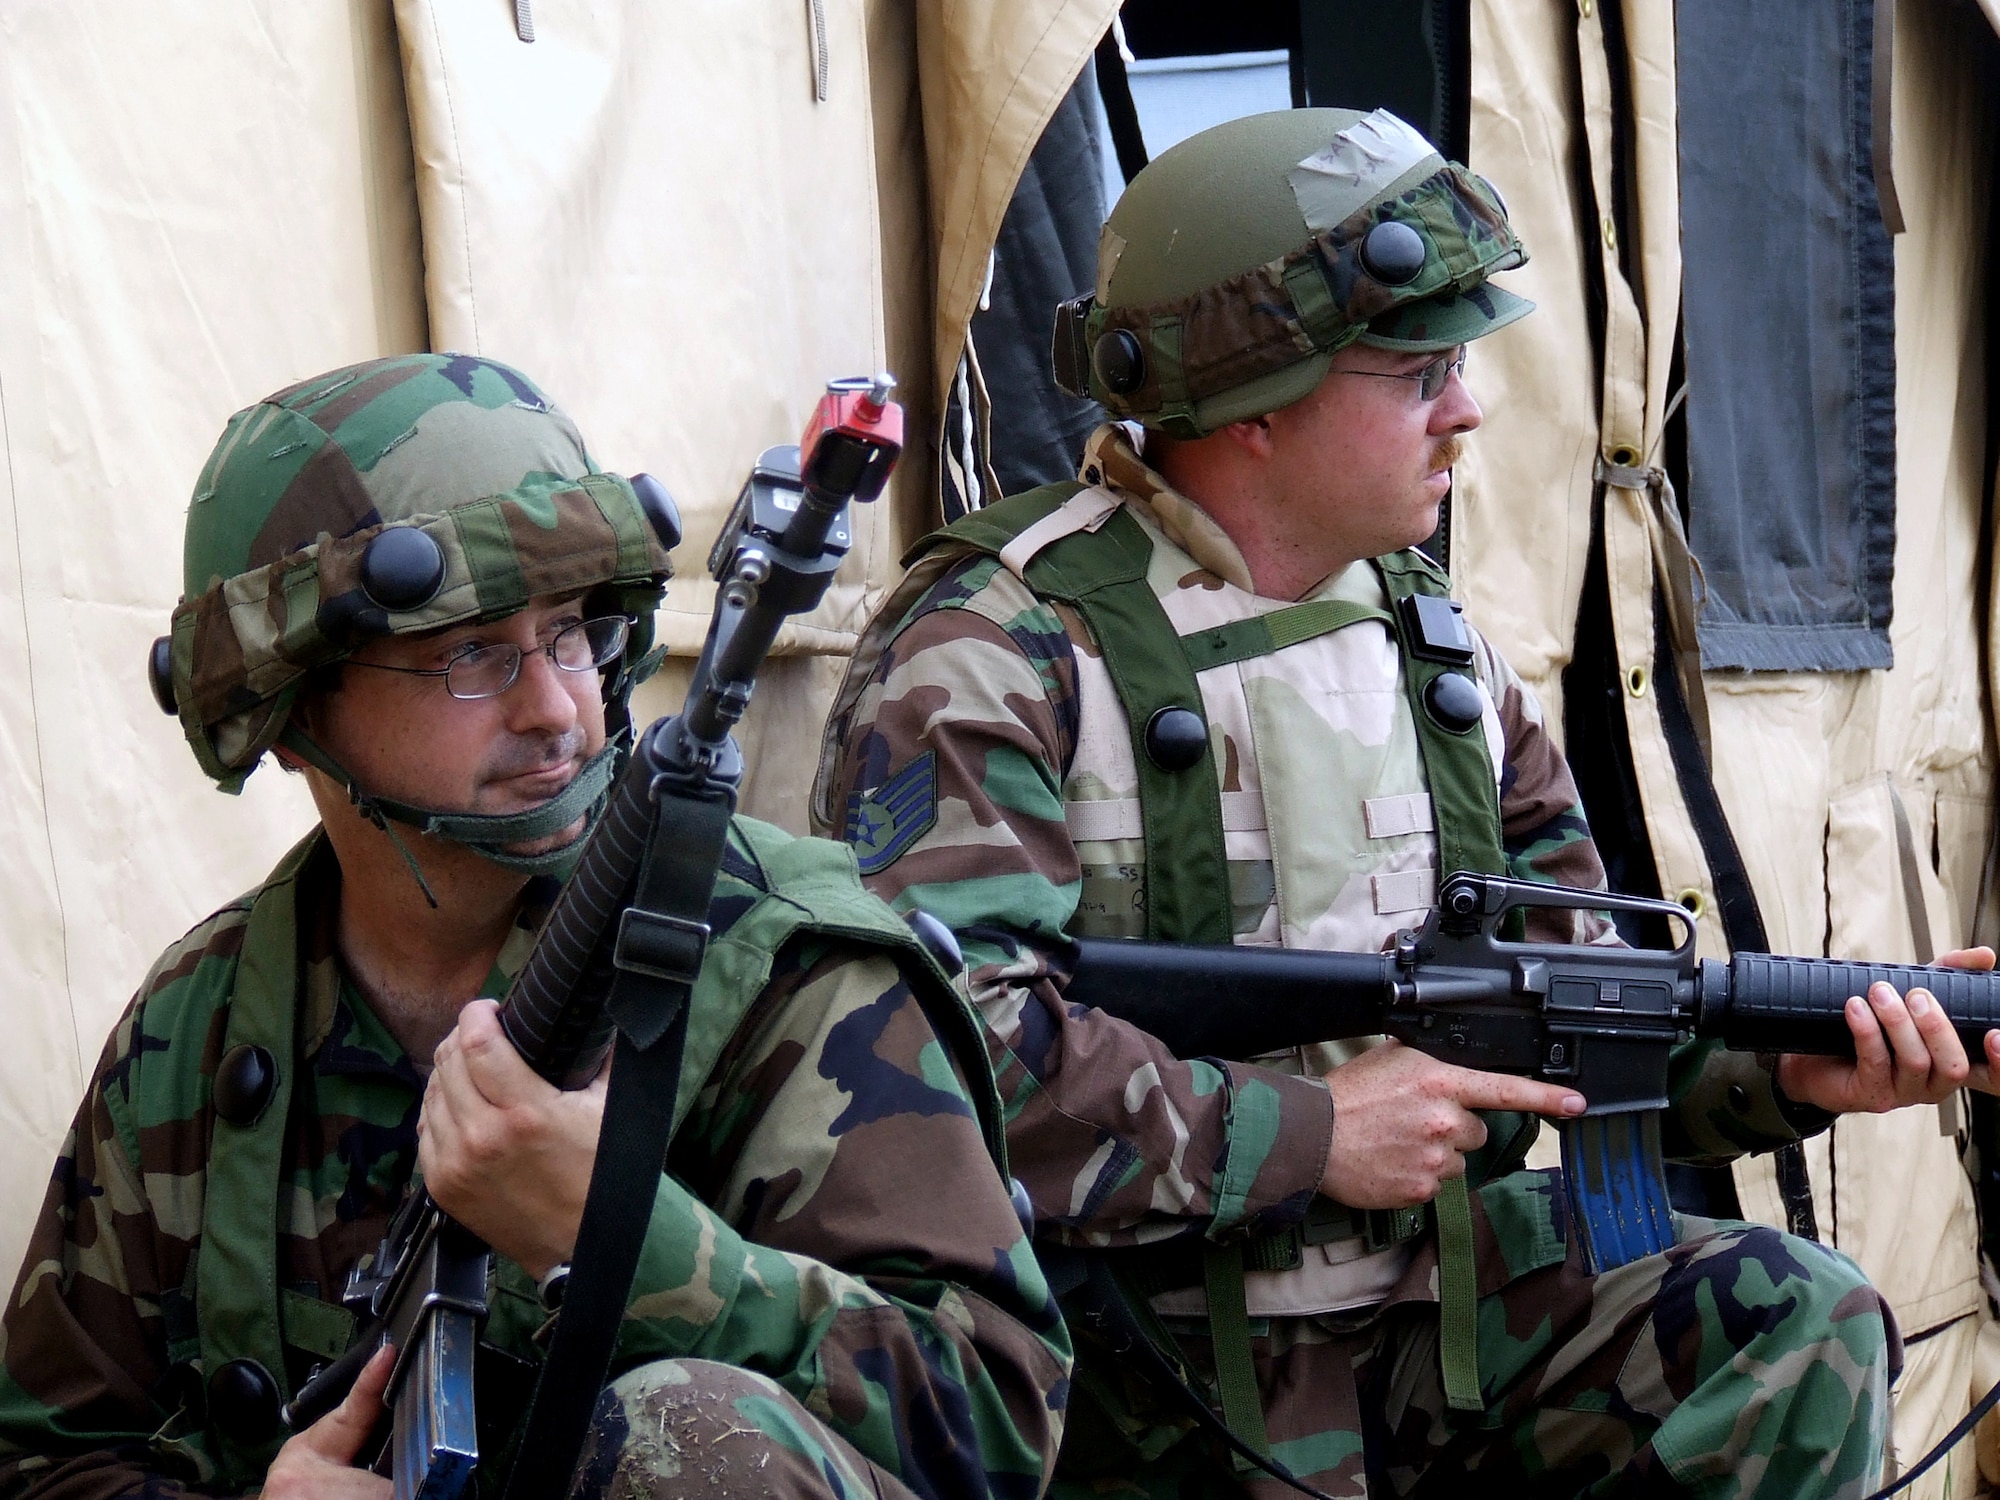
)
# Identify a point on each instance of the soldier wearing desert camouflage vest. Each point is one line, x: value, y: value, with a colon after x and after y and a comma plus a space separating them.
x: 1281, y: 317
x: 808, y: 1318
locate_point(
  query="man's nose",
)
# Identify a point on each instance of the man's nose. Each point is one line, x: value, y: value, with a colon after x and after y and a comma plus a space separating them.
x: 1455, y: 411
x: 543, y: 695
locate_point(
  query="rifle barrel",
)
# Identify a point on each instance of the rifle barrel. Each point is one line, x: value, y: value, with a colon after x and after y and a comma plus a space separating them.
x: 1262, y: 1000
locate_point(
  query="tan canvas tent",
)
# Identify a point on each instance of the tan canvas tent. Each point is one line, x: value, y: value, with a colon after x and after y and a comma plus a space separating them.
x: 682, y: 220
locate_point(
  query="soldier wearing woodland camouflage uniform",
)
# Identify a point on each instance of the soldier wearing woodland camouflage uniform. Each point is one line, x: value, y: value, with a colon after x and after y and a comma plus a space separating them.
x: 807, y: 1319
x: 1184, y: 699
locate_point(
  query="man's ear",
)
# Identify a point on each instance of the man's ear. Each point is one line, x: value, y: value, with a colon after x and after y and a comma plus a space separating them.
x: 1252, y: 435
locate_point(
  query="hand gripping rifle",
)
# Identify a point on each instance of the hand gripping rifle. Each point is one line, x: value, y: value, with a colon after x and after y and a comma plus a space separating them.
x: 612, y: 968
x: 1603, y: 1021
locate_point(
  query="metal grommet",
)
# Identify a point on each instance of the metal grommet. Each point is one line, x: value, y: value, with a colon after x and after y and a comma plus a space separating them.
x: 1636, y: 680
x: 661, y: 512
x: 402, y: 568
x: 1692, y: 901
x: 1176, y: 738
x: 1120, y: 361
x: 1624, y: 457
x: 244, y: 1083
x: 160, y: 674
x: 1454, y: 701
x: 1739, y: 1098
x: 1393, y: 253
x: 244, y: 1403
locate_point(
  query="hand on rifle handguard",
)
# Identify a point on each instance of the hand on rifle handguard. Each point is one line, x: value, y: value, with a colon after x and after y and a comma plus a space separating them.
x: 1906, y: 1051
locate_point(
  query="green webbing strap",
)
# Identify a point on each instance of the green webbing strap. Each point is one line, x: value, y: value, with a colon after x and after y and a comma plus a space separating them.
x: 1229, y: 1340
x: 1103, y: 573
x: 1465, y: 801
x: 1465, y: 796
x: 1458, y: 1298
x: 1242, y: 640
x: 236, y: 1273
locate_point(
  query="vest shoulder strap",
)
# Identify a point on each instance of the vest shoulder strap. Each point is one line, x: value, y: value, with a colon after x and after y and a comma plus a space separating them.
x: 812, y: 886
x: 236, y: 1270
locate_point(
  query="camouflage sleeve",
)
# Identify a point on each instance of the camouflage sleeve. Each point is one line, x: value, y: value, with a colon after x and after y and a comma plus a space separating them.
x: 833, y: 1221
x: 952, y: 776
x: 1543, y: 833
x: 84, y: 1407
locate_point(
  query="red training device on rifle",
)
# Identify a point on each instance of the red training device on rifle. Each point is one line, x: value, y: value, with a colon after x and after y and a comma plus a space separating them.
x: 852, y: 441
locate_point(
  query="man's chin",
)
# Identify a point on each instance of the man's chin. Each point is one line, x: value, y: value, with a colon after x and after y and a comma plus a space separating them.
x: 549, y: 843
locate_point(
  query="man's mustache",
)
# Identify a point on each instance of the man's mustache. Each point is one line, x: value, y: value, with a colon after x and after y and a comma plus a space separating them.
x: 1449, y: 452
x: 528, y: 754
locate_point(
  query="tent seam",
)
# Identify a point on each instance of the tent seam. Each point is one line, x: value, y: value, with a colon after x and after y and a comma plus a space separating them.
x: 458, y: 153
x: 41, y: 770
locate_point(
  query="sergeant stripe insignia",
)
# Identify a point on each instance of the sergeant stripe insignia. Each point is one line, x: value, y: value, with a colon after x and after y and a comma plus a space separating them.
x: 883, y: 821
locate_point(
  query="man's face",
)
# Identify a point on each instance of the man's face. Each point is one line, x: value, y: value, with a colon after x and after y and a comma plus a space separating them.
x: 1363, y: 462
x: 406, y: 738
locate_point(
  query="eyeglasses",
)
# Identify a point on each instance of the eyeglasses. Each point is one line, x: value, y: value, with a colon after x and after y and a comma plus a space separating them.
x: 1430, y: 379
x: 488, y: 671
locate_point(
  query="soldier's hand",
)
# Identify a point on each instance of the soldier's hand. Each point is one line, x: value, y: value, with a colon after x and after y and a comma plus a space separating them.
x: 1905, y: 1052
x: 1403, y: 1122
x: 318, y: 1464
x: 505, y: 1152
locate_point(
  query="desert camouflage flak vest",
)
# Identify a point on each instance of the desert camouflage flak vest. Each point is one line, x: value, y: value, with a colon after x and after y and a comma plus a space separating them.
x: 1318, y: 815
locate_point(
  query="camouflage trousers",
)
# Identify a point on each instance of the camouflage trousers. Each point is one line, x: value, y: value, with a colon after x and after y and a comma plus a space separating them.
x: 1742, y: 1362
x: 692, y: 1427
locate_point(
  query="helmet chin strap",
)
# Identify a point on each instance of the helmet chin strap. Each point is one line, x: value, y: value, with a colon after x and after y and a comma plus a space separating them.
x: 485, y: 834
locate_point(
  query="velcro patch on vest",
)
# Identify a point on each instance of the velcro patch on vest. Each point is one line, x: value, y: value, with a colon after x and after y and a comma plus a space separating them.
x: 1102, y: 820
x: 1392, y: 817
x: 1405, y: 890
x: 884, y: 821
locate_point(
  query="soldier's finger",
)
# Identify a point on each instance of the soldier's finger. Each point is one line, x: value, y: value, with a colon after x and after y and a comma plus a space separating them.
x: 1504, y: 1091
x: 1912, y: 1057
x: 1868, y: 1084
x: 339, y: 1434
x: 490, y: 1063
x: 1947, y: 1053
x: 1967, y: 958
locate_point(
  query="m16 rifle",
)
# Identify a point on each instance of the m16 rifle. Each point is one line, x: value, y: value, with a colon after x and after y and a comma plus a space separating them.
x: 613, y: 967
x: 1601, y: 1020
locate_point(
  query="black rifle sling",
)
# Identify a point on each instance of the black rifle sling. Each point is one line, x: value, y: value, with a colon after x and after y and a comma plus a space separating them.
x: 660, y: 948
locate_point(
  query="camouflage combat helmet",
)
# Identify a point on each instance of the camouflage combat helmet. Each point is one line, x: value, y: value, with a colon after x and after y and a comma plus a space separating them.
x: 1236, y: 265
x: 401, y: 495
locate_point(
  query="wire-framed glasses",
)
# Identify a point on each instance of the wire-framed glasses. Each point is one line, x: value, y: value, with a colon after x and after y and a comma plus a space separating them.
x: 1430, y: 379
x: 488, y: 671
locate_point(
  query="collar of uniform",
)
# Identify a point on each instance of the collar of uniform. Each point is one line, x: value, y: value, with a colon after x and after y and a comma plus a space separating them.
x: 331, y: 1007
x: 1114, y: 452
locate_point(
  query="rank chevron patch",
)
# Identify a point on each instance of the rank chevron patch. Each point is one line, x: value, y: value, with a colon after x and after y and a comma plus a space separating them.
x: 883, y: 821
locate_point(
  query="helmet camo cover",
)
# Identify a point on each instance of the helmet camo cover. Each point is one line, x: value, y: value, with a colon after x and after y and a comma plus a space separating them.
x: 466, y: 451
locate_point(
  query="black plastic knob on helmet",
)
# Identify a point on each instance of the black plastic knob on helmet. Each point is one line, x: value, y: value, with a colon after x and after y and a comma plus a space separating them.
x: 402, y: 569
x: 660, y: 509
x: 1120, y: 361
x: 160, y: 674
x: 1393, y: 253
